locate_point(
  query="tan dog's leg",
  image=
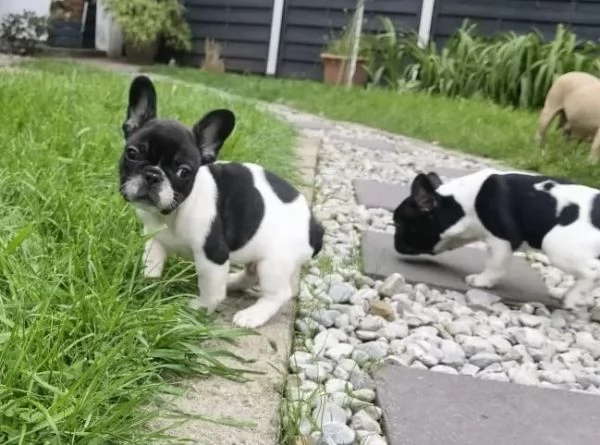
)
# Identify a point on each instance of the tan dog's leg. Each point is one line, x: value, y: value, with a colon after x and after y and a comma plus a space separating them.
x: 595, y: 149
x: 546, y: 117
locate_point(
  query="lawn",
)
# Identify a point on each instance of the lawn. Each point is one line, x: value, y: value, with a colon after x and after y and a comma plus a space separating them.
x: 86, y: 344
x: 473, y: 126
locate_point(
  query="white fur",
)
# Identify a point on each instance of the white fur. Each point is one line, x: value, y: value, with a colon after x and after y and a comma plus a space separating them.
x: 574, y: 248
x: 273, y: 256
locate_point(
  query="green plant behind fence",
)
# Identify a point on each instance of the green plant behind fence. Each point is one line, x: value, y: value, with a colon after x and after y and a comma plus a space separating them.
x: 510, y: 69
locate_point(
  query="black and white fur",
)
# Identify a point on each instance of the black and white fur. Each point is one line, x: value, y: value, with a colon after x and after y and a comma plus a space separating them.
x: 505, y: 210
x: 216, y: 213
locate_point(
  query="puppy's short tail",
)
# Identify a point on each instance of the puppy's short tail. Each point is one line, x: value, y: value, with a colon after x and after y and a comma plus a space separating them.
x: 316, y: 232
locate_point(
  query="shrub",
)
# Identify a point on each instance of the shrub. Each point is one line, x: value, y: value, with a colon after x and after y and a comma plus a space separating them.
x: 510, y: 69
x: 19, y: 33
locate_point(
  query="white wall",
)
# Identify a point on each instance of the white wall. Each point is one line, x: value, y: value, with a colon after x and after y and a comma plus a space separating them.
x: 40, y: 7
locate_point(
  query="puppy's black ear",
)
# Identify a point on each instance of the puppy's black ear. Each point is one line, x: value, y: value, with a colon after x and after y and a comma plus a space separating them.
x: 211, y: 132
x: 142, y: 105
x: 423, y: 192
x: 436, y: 181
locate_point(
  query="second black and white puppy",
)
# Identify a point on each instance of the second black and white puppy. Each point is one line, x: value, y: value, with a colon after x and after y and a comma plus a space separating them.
x: 215, y: 213
x: 505, y: 210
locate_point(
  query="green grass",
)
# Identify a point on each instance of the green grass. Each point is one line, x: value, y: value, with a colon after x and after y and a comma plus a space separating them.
x: 472, y: 126
x: 87, y: 344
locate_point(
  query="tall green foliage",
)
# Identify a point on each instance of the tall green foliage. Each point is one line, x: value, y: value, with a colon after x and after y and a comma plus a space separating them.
x: 511, y: 69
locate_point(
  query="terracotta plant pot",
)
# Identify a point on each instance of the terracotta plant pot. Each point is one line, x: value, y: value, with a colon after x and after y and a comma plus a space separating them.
x: 334, y: 66
x: 140, y: 54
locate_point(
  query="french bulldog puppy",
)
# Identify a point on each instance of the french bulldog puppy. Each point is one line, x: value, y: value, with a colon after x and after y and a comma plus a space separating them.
x: 505, y: 210
x: 215, y: 213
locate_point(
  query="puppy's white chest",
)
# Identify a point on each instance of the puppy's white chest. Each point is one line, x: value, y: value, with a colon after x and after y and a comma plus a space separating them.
x: 174, y: 243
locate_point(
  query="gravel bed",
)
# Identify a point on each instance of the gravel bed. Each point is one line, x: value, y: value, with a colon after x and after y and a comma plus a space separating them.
x: 348, y: 322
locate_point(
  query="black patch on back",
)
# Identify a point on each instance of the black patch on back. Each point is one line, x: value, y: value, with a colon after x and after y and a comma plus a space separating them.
x: 595, y: 212
x: 283, y: 189
x: 568, y: 215
x: 240, y: 206
x: 511, y: 209
x: 316, y: 232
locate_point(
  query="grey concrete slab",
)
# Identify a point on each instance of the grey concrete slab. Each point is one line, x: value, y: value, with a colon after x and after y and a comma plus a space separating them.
x: 375, y: 194
x: 448, y: 270
x: 430, y: 408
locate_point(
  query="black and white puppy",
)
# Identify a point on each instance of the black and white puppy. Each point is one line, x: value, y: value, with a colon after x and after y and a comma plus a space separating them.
x: 505, y: 210
x: 213, y: 212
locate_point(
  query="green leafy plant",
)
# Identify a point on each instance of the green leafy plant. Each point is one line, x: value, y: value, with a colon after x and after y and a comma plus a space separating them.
x: 144, y: 21
x: 341, y: 44
x: 19, y: 33
x: 511, y: 69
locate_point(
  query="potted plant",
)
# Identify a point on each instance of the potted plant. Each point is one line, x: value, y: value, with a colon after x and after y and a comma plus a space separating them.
x: 336, y: 57
x: 145, y: 22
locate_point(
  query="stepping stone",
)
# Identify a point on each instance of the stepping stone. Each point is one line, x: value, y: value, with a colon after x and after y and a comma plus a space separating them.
x: 374, y: 194
x: 430, y: 408
x: 447, y: 270
x: 372, y: 144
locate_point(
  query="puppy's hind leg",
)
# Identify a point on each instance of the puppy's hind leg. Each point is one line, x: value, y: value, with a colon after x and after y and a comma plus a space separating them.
x: 594, y: 156
x: 580, y: 293
x: 243, y: 279
x: 500, y: 254
x: 546, y: 116
x: 275, y: 278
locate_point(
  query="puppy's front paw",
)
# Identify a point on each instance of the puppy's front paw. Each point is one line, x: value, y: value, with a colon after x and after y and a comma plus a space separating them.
x: 480, y: 280
x: 252, y: 317
x: 203, y: 303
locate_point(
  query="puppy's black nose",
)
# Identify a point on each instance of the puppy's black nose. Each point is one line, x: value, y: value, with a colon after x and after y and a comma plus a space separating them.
x: 152, y: 175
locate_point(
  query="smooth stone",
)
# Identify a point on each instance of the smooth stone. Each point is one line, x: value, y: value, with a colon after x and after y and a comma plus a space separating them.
x: 500, y: 344
x: 329, y: 412
x: 587, y: 342
x: 523, y: 375
x: 460, y: 327
x: 469, y: 369
x: 339, y: 432
x: 365, y: 394
x: 367, y: 335
x: 481, y: 300
x: 371, y: 323
x: 445, y: 369
x: 382, y: 309
x: 452, y: 353
x: 363, y: 295
x: 394, y: 284
x: 361, y: 380
x: 323, y: 341
x: 530, y: 321
x: 476, y: 345
x: 485, y: 359
x: 395, y: 330
x: 299, y: 360
x: 337, y: 385
x: 339, y: 351
x: 317, y: 373
x: 341, y: 292
x: 362, y: 421
x: 375, y: 350
x: 529, y: 337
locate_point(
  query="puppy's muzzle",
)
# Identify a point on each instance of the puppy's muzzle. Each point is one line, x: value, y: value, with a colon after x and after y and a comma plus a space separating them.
x: 152, y: 176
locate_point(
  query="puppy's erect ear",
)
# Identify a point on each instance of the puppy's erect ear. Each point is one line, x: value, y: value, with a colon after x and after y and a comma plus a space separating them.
x: 211, y: 132
x: 422, y: 190
x: 436, y: 181
x: 142, y: 105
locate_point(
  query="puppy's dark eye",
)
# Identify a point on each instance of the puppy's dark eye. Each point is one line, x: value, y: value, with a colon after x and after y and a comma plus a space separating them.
x: 184, y: 172
x: 132, y: 153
